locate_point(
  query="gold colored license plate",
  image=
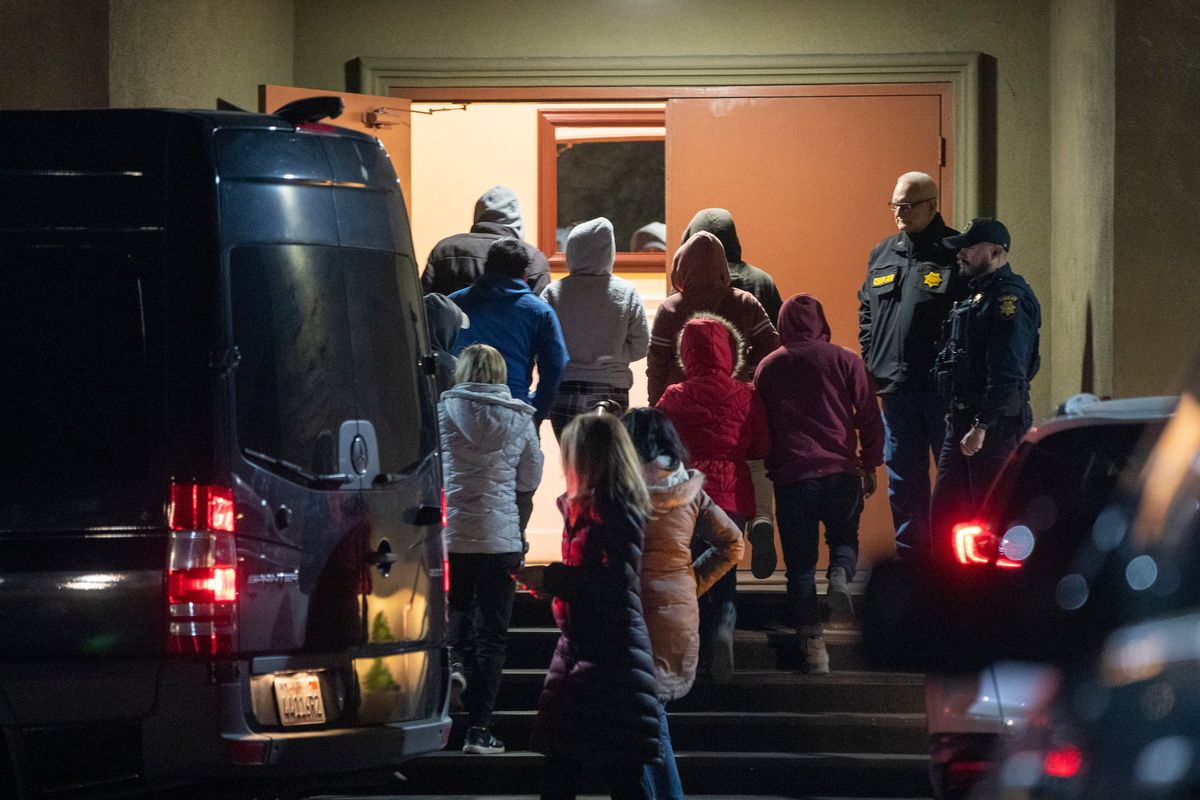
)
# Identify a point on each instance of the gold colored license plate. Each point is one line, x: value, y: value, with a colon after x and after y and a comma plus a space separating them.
x: 299, y: 700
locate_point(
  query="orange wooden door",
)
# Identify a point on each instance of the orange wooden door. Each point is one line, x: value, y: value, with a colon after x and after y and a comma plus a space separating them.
x: 807, y: 180
x: 389, y: 122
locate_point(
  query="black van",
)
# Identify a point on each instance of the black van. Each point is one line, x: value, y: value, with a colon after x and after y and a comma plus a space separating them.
x: 220, y: 494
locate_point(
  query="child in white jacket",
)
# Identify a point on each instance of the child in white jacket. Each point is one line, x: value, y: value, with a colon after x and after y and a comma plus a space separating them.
x: 490, y: 452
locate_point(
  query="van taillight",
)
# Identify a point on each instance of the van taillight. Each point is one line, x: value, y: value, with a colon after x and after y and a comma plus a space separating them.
x: 201, y: 571
x: 974, y: 543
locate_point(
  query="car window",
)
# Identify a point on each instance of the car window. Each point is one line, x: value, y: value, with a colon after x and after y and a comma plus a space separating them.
x: 1059, y: 485
x: 83, y: 394
x: 326, y: 335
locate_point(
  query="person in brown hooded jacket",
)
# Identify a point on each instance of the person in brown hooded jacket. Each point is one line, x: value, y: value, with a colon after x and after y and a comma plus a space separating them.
x: 700, y: 276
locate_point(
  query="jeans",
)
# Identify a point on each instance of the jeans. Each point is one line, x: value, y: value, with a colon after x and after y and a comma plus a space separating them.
x: 963, y: 481
x: 663, y: 779
x: 481, y: 602
x: 801, y: 507
x: 914, y: 431
x: 560, y: 780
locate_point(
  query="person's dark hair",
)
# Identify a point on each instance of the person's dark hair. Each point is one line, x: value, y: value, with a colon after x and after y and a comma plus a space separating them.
x: 653, y: 435
x: 507, y: 256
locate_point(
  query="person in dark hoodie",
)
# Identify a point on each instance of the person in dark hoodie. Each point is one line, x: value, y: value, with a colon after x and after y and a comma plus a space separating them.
x: 456, y: 261
x: 826, y: 443
x: 758, y: 282
x: 444, y: 319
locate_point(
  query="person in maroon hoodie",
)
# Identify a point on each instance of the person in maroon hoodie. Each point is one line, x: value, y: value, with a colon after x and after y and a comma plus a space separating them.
x: 826, y: 443
x: 723, y: 424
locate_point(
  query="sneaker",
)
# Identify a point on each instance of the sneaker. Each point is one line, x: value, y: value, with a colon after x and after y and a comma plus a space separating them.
x: 762, y: 548
x: 720, y: 667
x: 816, y: 657
x: 480, y: 740
x: 841, y: 607
x: 458, y: 684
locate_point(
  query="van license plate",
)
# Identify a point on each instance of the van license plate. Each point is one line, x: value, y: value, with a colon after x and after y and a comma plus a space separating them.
x: 299, y: 699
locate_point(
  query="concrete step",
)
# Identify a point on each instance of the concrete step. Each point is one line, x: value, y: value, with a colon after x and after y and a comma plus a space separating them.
x: 863, y: 775
x: 532, y: 648
x: 764, y: 691
x: 747, y: 732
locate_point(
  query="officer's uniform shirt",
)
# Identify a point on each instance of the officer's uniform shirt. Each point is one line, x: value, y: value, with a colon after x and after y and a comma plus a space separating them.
x: 999, y: 334
x: 911, y: 284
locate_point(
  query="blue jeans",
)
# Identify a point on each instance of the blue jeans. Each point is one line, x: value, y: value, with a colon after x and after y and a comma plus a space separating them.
x: 662, y: 780
x: 914, y: 431
x: 801, y: 507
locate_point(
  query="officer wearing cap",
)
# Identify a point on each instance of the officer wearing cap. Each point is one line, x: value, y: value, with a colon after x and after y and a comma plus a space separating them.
x: 985, y: 368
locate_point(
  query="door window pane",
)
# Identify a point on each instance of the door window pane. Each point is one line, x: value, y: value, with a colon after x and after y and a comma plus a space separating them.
x: 623, y: 181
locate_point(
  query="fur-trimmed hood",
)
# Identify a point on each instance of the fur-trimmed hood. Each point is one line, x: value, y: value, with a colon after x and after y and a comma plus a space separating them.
x: 708, y: 343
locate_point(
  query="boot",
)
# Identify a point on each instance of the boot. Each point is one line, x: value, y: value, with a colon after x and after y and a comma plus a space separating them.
x: 816, y: 657
x: 841, y: 607
x: 762, y: 548
x: 721, y: 661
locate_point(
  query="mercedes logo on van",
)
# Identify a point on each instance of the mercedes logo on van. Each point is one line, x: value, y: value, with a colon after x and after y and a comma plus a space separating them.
x: 358, y: 454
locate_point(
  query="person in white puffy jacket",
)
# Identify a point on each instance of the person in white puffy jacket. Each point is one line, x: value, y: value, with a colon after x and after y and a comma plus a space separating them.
x: 490, y: 452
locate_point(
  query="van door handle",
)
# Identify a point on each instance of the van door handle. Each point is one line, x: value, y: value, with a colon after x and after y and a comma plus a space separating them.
x: 383, y: 558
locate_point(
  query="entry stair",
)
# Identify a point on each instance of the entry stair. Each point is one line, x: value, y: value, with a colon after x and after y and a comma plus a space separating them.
x: 773, y: 730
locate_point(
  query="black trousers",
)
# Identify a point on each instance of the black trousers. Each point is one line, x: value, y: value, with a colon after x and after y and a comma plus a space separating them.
x: 963, y: 481
x: 481, y: 602
x: 801, y: 507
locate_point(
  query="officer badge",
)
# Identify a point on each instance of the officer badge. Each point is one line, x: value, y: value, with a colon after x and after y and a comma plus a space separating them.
x: 1008, y: 305
x: 933, y: 279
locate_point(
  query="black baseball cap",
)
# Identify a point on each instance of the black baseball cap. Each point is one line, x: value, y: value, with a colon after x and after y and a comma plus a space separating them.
x: 981, y: 229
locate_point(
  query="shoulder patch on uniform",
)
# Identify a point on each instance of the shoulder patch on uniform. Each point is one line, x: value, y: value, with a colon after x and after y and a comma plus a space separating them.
x: 933, y: 279
x: 883, y: 280
x: 1007, y: 304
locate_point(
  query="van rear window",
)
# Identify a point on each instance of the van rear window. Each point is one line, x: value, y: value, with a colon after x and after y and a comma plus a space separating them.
x: 83, y: 388
x: 326, y: 335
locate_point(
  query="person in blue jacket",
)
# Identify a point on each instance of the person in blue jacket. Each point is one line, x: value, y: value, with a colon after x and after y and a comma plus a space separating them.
x: 505, y: 314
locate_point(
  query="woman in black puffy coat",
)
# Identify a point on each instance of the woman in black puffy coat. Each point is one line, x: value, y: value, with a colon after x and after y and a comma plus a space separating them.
x: 599, y: 704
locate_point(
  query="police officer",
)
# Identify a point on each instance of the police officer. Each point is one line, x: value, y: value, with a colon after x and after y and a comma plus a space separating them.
x: 990, y: 357
x: 912, y: 281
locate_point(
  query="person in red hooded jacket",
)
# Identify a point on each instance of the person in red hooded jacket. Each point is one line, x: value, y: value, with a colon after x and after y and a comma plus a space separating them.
x: 826, y: 443
x: 722, y: 423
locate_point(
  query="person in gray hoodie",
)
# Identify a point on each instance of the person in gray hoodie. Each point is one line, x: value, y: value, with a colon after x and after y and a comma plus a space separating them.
x: 490, y: 452
x: 456, y: 261
x: 444, y: 319
x: 603, y: 322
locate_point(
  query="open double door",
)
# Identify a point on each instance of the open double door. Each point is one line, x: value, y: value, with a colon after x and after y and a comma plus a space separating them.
x: 806, y: 172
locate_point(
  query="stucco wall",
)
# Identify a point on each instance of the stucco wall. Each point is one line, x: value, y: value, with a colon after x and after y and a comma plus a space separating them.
x: 1156, y: 294
x: 1082, y: 109
x: 1015, y: 32
x: 187, y: 54
x: 53, y: 53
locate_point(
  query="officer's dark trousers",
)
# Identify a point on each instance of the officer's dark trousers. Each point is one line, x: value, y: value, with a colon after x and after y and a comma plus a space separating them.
x: 963, y: 481
x: 481, y: 602
x: 914, y: 431
x: 836, y: 501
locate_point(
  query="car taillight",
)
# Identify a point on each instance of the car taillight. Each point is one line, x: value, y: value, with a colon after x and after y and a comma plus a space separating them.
x: 974, y: 543
x: 446, y: 575
x: 1063, y: 762
x: 201, y: 571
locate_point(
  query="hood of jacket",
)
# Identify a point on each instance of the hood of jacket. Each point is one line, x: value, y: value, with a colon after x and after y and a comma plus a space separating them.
x: 718, y: 222
x: 499, y: 205
x: 671, y: 488
x: 699, y: 264
x: 485, y: 413
x: 801, y: 320
x: 710, y: 345
x: 591, y: 248
x: 445, y: 320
